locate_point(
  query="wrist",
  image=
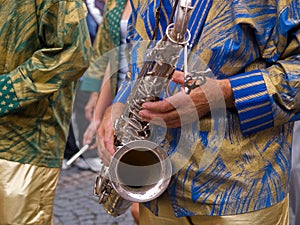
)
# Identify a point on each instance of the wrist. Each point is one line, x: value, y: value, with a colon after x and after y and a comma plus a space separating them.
x: 227, y: 92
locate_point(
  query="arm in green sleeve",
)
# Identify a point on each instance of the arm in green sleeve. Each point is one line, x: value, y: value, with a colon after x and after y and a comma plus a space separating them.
x: 63, y: 56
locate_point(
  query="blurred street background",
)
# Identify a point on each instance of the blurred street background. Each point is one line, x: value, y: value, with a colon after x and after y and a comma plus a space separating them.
x: 75, y: 203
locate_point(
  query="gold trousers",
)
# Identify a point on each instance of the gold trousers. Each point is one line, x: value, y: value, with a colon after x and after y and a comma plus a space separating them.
x: 274, y: 215
x: 26, y: 193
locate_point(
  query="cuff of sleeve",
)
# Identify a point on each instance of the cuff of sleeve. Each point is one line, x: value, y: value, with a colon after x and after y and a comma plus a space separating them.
x: 252, y: 102
x: 123, y: 92
x: 9, y: 101
x: 91, y: 84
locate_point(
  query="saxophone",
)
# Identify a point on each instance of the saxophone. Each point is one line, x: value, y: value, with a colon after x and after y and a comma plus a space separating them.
x: 140, y: 170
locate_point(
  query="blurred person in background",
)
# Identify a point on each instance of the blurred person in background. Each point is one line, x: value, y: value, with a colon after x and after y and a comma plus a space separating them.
x: 85, y: 88
x: 79, y: 123
x: 109, y: 47
x: 95, y: 16
x: 45, y: 48
x: 108, y: 68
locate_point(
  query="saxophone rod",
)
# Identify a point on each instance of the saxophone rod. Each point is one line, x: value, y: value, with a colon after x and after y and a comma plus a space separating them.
x: 79, y: 153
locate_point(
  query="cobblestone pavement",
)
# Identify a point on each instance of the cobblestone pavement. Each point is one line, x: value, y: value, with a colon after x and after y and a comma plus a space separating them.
x: 75, y: 204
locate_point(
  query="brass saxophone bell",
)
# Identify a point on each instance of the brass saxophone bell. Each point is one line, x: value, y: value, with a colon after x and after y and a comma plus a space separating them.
x: 140, y: 171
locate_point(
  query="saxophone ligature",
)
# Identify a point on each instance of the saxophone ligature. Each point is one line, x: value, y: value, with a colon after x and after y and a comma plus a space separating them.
x: 140, y: 170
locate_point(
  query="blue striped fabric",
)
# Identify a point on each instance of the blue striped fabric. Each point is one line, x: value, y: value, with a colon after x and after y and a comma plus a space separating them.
x: 252, y: 101
x: 255, y: 44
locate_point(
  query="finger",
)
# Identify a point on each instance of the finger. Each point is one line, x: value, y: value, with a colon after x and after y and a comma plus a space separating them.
x: 106, y: 135
x: 99, y: 140
x: 85, y: 140
x: 170, y: 119
x: 88, y: 137
x: 175, y: 121
x: 99, y: 150
x: 150, y: 115
x: 91, y: 142
x: 102, y: 155
x: 102, y: 152
x: 165, y: 109
x: 93, y: 146
x: 159, y: 106
x: 109, y: 140
x: 181, y: 114
x: 105, y: 159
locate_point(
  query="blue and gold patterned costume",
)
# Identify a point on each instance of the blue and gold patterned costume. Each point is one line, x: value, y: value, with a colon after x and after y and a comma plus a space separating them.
x: 44, y: 48
x: 256, y: 45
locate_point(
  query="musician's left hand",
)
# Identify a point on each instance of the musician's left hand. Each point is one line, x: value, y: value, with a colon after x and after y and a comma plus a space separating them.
x: 180, y: 108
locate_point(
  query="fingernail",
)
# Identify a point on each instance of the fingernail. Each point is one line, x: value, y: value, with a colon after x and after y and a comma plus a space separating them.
x: 144, y: 105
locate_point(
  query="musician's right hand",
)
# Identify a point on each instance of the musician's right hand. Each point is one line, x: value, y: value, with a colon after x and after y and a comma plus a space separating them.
x: 105, y: 132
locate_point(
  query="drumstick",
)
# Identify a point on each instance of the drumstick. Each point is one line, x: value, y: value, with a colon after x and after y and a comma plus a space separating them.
x: 79, y: 153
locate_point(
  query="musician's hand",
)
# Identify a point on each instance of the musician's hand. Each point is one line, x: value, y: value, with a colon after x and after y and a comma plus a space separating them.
x: 89, y: 134
x: 181, y: 108
x: 105, y: 132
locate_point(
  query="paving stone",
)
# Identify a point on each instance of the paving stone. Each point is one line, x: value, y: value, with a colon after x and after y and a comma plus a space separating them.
x: 75, y: 204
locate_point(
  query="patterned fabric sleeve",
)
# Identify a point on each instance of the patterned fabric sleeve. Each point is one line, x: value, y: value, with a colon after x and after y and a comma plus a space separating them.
x: 252, y: 101
x: 9, y: 101
x: 105, y: 48
x: 62, y: 59
x: 271, y: 97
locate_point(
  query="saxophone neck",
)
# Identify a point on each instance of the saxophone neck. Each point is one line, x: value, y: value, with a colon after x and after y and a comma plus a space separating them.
x: 179, y: 30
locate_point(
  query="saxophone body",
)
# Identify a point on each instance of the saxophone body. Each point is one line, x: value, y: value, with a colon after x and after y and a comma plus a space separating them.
x: 140, y: 170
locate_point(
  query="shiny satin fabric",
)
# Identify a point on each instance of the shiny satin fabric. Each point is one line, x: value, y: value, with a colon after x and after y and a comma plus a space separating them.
x: 40, y: 42
x: 251, y: 161
x: 274, y: 215
x: 26, y: 193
